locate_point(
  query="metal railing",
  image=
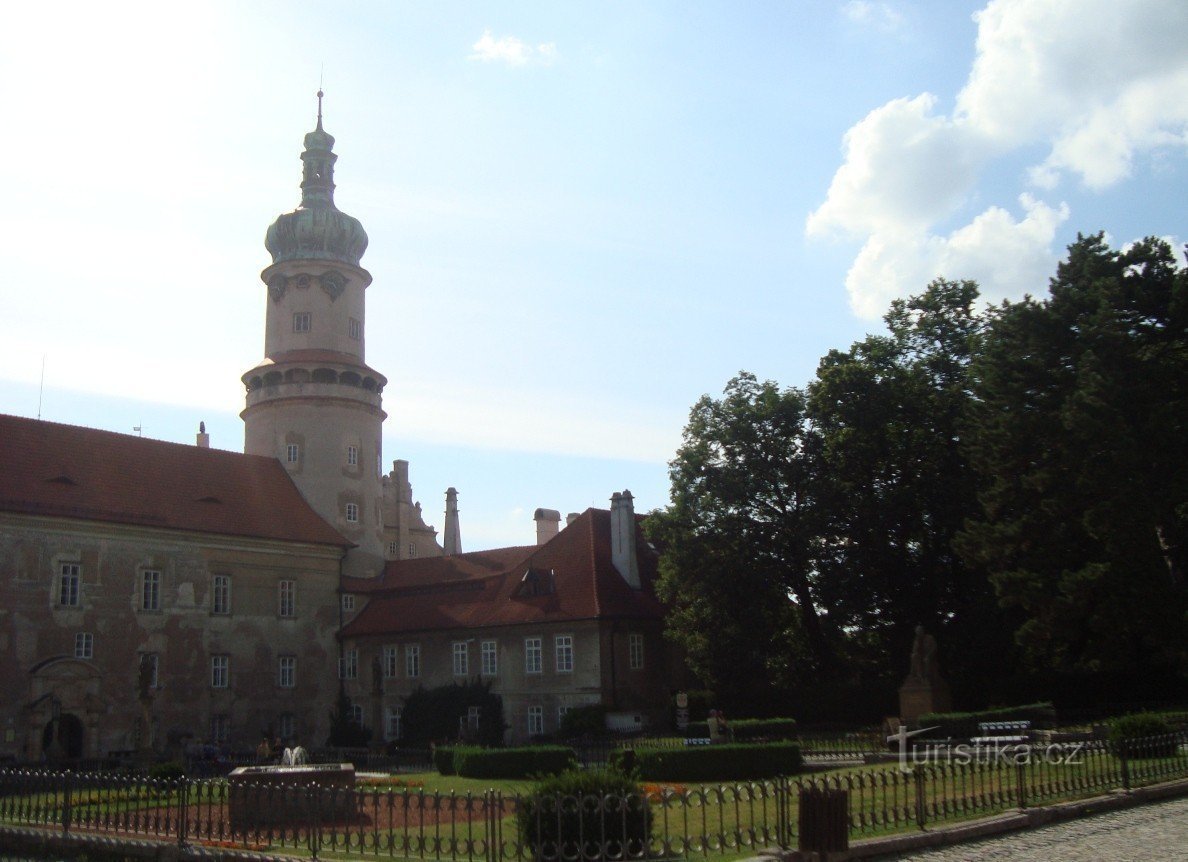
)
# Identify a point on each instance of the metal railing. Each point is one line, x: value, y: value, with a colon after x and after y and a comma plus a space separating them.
x: 929, y: 787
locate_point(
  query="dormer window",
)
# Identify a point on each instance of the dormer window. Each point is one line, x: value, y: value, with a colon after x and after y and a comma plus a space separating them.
x: 537, y: 582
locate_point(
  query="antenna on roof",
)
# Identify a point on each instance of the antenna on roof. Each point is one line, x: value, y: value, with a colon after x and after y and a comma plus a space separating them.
x: 136, y: 428
x: 41, y: 388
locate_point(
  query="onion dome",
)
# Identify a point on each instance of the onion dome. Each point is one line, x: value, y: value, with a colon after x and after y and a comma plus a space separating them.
x: 317, y: 230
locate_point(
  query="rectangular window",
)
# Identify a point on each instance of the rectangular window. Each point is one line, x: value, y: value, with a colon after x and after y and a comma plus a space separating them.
x: 292, y: 453
x: 390, y: 654
x: 352, y: 456
x: 287, y: 727
x: 393, y: 716
x: 635, y: 651
x: 563, y: 646
x: 301, y: 321
x: 150, y: 664
x: 150, y: 590
x: 473, y: 713
x: 220, y: 727
x: 490, y: 653
x: 355, y: 329
x: 220, y: 671
x: 532, y: 655
x: 286, y: 671
x: 561, y: 711
x: 392, y: 546
x: 84, y: 645
x: 348, y: 602
x: 348, y: 665
x: 69, y: 581
x: 356, y: 714
x: 352, y: 513
x: 535, y: 720
x: 412, y: 660
x: 220, y: 599
x: 412, y: 550
x: 461, y: 658
x: 286, y: 598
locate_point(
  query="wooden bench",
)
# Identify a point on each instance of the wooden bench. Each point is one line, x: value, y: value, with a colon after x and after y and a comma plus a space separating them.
x: 1002, y: 733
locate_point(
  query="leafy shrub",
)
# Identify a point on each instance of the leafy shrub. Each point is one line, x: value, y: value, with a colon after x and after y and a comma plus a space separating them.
x: 1132, y: 735
x: 733, y: 761
x: 587, y: 720
x: 762, y: 728
x: 443, y: 760
x: 168, y: 771
x: 585, y: 815
x: 513, y: 762
x: 966, y: 723
x: 436, y: 714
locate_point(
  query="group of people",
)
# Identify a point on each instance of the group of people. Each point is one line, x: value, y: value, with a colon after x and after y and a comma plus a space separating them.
x: 719, y: 730
x: 270, y: 751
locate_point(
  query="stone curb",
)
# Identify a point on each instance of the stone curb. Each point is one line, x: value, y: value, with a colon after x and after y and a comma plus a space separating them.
x: 50, y: 845
x: 1030, y: 818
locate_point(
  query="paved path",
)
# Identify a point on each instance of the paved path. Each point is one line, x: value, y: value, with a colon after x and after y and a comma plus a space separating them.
x: 1148, y: 833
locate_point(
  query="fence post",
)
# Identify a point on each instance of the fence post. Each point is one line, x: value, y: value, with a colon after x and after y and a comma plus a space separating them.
x: 1123, y: 751
x: 918, y: 783
x: 315, y: 831
x: 183, y: 809
x: 67, y: 780
x: 783, y: 790
x: 1021, y: 784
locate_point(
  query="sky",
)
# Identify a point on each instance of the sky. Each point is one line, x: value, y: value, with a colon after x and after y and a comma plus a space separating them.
x: 582, y: 217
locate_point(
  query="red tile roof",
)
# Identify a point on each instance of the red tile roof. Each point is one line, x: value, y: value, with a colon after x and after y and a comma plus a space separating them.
x: 91, y: 475
x: 484, y: 589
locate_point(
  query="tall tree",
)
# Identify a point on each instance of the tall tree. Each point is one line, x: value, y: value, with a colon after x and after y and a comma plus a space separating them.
x: 896, y: 486
x: 738, y: 539
x: 1081, y: 422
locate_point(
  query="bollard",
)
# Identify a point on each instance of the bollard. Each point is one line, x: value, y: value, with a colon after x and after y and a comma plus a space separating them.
x: 824, y: 820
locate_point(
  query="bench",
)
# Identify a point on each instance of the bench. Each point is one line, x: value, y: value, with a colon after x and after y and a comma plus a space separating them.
x: 1002, y: 732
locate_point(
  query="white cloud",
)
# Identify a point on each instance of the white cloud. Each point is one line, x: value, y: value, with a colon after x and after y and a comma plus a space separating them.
x: 868, y: 13
x: 512, y: 51
x: 1096, y: 82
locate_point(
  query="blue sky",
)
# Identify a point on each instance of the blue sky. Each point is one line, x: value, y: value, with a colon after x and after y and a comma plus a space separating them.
x: 582, y: 217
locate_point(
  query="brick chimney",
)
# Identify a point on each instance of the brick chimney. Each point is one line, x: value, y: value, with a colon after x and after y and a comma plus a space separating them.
x: 623, y: 550
x: 548, y: 524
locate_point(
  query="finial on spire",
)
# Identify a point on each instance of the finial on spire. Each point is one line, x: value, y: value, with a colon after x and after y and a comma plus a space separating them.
x: 320, y: 109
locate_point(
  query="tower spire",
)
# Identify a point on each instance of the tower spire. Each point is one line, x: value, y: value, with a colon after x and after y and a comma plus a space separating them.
x: 320, y: 94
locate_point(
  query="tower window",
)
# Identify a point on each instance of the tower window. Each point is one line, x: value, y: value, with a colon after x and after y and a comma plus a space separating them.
x: 292, y: 453
x: 355, y: 329
x: 286, y: 671
x: 69, y: 577
x: 352, y: 513
x: 352, y: 456
x: 220, y: 670
x: 287, y: 598
x: 220, y: 602
x: 301, y: 321
x: 84, y: 645
x: 150, y: 590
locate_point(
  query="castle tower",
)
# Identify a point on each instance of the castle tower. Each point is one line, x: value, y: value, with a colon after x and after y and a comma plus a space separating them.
x: 313, y: 402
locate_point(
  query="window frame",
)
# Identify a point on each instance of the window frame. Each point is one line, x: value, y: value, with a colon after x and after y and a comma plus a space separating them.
x: 352, y: 455
x: 533, y: 655
x: 352, y: 513
x: 489, y: 658
x: 635, y: 651
x: 393, y: 722
x: 69, y: 585
x: 460, y: 650
x: 535, y: 720
x: 286, y: 671
x: 302, y: 322
x: 220, y: 595
x: 563, y: 653
x: 348, y: 664
x: 292, y: 453
x: 286, y: 598
x: 84, y: 645
x: 390, y: 660
x: 150, y: 590
x: 355, y: 329
x: 412, y: 661
x: 220, y: 670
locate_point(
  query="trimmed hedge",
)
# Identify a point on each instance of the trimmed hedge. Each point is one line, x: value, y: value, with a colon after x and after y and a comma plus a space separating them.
x: 732, y: 761
x: 1132, y: 735
x: 513, y: 762
x: 966, y: 723
x: 443, y: 760
x: 762, y: 728
x: 566, y: 815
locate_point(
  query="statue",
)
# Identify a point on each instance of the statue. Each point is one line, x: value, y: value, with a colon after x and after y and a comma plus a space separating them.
x: 924, y: 690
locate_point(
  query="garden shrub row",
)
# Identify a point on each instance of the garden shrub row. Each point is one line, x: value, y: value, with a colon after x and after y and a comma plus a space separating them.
x: 744, y: 729
x: 473, y: 762
x: 966, y: 723
x: 1143, y: 734
x: 732, y: 761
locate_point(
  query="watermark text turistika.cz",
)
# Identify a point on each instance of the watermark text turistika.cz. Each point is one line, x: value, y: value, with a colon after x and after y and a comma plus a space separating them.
x: 992, y: 751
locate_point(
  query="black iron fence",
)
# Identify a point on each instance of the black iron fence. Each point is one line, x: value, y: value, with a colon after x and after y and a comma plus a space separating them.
x: 929, y: 786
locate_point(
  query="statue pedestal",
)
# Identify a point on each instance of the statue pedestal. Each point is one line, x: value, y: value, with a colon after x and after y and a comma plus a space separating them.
x: 919, y: 696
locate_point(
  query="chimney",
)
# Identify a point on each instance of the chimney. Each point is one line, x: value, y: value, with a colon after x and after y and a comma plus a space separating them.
x: 548, y: 524
x: 623, y: 552
x: 571, y: 517
x: 452, y: 541
x: 203, y: 441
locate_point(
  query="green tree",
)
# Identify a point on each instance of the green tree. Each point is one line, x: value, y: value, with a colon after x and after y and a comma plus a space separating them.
x: 895, y: 486
x: 1080, y: 426
x: 738, y: 539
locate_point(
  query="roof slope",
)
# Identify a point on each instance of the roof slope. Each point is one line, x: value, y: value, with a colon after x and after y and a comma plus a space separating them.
x: 92, y: 475
x: 486, y: 588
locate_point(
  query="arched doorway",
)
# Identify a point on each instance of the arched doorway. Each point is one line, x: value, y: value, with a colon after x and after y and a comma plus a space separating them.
x: 62, y: 739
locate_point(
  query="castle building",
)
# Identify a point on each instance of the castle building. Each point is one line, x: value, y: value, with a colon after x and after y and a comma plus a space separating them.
x: 155, y: 593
